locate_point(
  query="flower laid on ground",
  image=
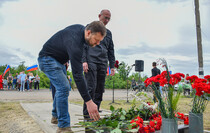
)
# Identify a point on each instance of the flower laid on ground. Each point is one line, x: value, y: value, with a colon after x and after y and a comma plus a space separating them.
x: 167, y: 104
x: 124, y: 121
x: 145, y: 99
x: 155, y: 122
x: 183, y: 117
x: 202, y: 89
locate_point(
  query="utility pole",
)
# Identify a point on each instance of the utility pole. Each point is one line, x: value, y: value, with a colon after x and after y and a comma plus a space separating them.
x: 199, y: 40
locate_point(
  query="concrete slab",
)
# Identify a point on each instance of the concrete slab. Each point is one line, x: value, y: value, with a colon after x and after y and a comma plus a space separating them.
x: 41, y: 113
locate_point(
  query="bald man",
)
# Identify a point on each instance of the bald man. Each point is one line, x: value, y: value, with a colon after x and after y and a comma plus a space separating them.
x: 95, y: 61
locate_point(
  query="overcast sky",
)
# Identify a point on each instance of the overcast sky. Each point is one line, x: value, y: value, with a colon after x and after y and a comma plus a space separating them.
x: 141, y: 29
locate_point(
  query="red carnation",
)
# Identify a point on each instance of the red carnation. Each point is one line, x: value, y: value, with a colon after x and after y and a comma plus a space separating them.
x: 116, y: 64
x: 207, y: 77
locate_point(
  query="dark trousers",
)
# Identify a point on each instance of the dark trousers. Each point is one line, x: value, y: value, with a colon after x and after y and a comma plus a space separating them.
x: 36, y: 85
x: 95, y: 79
x: 30, y: 85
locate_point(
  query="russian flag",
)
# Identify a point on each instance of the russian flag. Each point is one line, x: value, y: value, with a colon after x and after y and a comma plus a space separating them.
x: 108, y: 72
x: 32, y: 68
x: 6, y: 69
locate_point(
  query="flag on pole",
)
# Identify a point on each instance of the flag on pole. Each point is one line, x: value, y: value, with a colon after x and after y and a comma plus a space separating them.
x: 108, y: 72
x: 6, y: 69
x: 32, y: 68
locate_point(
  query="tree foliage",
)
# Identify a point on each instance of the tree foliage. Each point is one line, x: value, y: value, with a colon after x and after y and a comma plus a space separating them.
x: 118, y: 81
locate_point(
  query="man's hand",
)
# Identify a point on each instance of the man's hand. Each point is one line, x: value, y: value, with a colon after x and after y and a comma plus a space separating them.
x: 92, y: 110
x: 85, y: 67
x: 112, y: 72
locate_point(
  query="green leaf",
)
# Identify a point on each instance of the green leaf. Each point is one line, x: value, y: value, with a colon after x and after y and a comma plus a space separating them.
x: 129, y: 127
x: 100, y: 131
x: 116, y: 130
x: 115, y: 124
x: 111, y: 108
x: 123, y: 112
x: 122, y: 117
x: 133, y: 130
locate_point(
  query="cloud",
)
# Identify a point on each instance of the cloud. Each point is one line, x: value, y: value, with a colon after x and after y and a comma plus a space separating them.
x: 141, y: 29
x: 184, y: 49
x: 170, y: 1
x: 1, y: 20
x: 181, y: 57
x: 3, y: 1
x: 13, y: 56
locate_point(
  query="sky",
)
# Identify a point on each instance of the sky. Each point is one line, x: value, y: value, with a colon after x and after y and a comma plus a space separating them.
x: 141, y: 29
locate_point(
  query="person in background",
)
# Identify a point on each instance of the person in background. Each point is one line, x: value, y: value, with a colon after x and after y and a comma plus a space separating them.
x: 5, y: 83
x: 27, y: 81
x: 95, y: 61
x: 31, y: 78
x: 14, y: 83
x: 19, y: 80
x: 1, y: 82
x: 9, y: 81
x: 155, y: 71
x: 133, y: 83
x: 23, y: 80
x: 36, y: 82
x: 186, y: 86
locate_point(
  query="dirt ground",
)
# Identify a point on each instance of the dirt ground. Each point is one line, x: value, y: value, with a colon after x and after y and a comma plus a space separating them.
x: 13, y: 119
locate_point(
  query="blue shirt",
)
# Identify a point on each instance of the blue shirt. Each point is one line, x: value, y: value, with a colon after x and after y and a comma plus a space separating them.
x: 23, y: 77
x: 14, y: 81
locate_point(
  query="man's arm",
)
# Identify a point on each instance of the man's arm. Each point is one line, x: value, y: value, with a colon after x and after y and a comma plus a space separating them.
x: 84, y: 58
x: 75, y: 55
x: 77, y: 71
x: 111, y: 56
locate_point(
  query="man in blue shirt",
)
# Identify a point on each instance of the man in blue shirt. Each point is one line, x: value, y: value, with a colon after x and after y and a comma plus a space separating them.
x: 63, y: 46
x: 23, y: 80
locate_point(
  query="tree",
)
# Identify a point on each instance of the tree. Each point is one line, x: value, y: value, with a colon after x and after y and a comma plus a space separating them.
x: 124, y: 70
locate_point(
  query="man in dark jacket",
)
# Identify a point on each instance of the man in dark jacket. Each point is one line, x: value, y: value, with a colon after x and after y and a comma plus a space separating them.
x: 95, y: 62
x: 63, y: 46
x: 155, y: 71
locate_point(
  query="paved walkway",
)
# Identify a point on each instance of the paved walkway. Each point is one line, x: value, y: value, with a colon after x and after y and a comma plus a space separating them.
x: 46, y: 95
x: 41, y: 113
x: 38, y: 104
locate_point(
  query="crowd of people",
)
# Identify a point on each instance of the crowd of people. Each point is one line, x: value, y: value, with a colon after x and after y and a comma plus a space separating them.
x: 20, y: 82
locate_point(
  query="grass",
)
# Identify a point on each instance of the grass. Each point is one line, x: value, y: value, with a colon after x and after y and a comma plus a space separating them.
x: 183, y: 107
x: 13, y: 115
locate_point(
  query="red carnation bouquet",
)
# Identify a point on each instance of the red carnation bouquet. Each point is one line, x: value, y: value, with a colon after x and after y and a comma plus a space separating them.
x: 169, y: 100
x: 202, y: 89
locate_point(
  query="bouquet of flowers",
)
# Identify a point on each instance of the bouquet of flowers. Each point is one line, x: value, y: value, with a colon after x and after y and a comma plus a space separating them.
x: 167, y: 102
x: 202, y: 89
